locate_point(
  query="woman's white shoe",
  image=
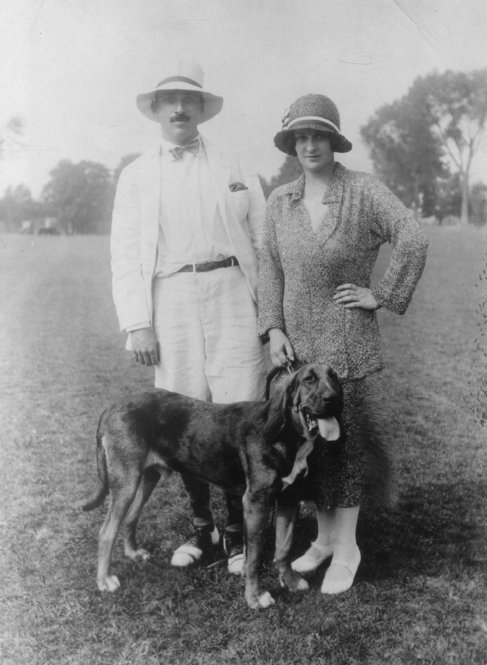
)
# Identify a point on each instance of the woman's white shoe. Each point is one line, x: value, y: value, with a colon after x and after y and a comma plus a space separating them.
x: 312, y: 558
x: 340, y: 575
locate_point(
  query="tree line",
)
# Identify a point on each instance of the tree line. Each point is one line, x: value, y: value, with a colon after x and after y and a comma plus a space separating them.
x: 78, y: 197
x: 421, y: 146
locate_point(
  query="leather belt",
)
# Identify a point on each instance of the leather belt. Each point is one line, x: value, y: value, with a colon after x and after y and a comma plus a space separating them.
x: 206, y: 266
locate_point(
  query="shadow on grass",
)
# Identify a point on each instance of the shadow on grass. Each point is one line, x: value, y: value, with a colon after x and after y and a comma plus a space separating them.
x: 430, y: 531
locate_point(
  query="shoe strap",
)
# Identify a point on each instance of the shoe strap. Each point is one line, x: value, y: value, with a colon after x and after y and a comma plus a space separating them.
x: 321, y: 548
x: 190, y: 550
x: 351, y: 566
x: 236, y: 557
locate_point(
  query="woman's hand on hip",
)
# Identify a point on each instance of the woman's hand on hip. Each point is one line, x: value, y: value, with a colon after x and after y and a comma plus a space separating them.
x: 355, y: 297
x: 145, y: 346
x: 280, y: 347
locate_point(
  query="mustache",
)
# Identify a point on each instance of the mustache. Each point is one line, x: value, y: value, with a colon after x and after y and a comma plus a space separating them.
x: 178, y: 117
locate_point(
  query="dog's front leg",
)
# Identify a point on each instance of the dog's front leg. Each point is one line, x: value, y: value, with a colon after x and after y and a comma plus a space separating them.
x: 286, y: 515
x: 256, y: 505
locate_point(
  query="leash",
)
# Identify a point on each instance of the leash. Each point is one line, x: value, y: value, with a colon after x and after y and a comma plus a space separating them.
x: 290, y: 366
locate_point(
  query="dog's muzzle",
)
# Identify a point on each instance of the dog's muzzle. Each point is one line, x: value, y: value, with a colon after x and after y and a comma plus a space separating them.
x: 327, y: 426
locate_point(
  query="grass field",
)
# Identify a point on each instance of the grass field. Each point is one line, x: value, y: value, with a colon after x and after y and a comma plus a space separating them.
x: 420, y: 594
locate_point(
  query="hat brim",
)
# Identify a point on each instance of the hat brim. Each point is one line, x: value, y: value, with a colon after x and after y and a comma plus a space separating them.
x: 286, y: 142
x: 212, y: 104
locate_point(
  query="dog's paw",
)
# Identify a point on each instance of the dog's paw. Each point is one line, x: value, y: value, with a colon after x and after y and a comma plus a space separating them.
x: 139, y: 554
x: 259, y: 601
x: 266, y: 600
x: 109, y: 583
x: 293, y: 582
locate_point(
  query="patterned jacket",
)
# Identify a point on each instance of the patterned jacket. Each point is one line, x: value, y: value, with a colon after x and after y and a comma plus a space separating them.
x: 300, y: 269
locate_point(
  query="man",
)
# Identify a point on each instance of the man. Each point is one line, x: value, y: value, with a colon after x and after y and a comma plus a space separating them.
x: 187, y: 226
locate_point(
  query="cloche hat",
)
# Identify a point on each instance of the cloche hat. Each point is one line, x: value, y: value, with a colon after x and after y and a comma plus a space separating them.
x: 311, y: 112
x: 182, y: 75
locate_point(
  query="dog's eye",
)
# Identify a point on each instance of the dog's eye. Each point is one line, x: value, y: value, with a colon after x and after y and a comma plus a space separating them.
x: 309, y: 378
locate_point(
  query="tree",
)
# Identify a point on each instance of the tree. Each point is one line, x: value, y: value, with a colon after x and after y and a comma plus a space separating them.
x: 82, y: 195
x: 10, y: 133
x: 432, y: 133
x: 478, y: 204
x: 456, y: 103
x: 16, y: 206
x: 289, y: 171
x: 449, y: 197
x: 405, y: 153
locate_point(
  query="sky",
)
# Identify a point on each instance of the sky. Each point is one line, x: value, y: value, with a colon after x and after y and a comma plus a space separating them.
x: 72, y: 68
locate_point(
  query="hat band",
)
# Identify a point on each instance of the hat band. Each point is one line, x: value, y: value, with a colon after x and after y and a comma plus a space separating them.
x: 313, y: 118
x: 181, y: 79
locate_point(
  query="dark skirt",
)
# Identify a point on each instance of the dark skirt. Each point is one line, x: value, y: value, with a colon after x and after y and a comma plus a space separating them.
x: 357, y: 466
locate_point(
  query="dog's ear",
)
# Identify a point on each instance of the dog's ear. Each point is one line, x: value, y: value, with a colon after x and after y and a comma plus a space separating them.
x: 277, y: 416
x: 337, y: 386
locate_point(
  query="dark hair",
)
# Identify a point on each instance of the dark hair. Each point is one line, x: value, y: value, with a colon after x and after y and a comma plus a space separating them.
x: 290, y: 140
x: 154, y: 104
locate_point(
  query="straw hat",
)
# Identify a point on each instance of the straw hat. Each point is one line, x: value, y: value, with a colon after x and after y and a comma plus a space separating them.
x: 182, y: 75
x: 311, y: 112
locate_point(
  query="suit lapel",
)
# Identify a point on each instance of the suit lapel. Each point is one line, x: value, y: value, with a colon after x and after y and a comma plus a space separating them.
x: 150, y: 193
x: 221, y: 173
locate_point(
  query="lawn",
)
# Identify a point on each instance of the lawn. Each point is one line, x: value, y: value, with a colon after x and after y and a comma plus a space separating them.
x: 420, y: 594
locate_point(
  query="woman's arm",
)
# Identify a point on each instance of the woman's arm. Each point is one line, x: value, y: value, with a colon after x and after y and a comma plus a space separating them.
x: 395, y: 224
x: 280, y: 348
x: 256, y: 212
x: 270, y: 289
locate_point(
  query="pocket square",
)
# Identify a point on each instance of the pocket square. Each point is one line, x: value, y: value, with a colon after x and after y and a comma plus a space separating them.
x: 237, y: 186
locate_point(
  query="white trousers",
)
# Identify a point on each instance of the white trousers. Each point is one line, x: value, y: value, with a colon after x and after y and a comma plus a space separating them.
x: 206, y: 325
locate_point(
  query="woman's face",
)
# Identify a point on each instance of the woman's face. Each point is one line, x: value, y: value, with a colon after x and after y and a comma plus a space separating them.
x: 313, y: 150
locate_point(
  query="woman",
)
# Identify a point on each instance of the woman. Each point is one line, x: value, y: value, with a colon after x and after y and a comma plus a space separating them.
x: 322, y: 236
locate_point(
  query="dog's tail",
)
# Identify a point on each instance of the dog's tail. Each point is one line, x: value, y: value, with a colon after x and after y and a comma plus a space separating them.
x: 99, y: 495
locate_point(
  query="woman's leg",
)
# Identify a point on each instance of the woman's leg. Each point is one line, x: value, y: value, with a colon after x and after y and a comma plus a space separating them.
x: 326, y: 526
x: 346, y: 555
x: 346, y: 485
x: 322, y: 547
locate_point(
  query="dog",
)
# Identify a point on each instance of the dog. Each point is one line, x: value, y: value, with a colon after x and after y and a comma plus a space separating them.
x: 255, y: 449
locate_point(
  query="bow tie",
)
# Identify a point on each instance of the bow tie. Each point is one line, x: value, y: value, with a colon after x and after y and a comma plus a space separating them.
x: 193, y: 148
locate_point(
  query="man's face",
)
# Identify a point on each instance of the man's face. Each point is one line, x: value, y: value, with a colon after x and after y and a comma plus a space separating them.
x: 179, y: 113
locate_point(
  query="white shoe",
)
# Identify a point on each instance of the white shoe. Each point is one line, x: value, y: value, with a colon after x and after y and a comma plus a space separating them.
x: 340, y: 575
x: 312, y: 558
x: 197, y: 549
x: 234, y: 549
x: 235, y: 564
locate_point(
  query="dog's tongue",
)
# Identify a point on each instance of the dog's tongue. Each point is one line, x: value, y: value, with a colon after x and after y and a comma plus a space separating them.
x: 329, y: 428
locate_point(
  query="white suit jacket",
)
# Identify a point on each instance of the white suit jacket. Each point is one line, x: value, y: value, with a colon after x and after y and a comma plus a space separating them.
x: 135, y: 227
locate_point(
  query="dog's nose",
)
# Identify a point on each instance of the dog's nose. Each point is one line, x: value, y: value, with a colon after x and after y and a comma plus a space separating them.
x: 331, y: 400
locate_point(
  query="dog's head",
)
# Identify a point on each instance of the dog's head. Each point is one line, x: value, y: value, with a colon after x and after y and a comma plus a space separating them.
x: 312, y: 398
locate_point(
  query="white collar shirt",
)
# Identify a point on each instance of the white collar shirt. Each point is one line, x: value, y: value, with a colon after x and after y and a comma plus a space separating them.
x: 191, y: 229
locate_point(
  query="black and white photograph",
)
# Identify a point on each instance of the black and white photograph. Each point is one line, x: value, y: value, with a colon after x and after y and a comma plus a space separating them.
x: 243, y: 332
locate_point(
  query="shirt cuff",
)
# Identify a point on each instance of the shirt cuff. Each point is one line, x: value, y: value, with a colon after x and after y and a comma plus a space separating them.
x: 138, y: 326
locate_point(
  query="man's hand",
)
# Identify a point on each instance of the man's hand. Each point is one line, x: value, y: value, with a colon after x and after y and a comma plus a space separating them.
x: 237, y: 186
x: 145, y: 346
x: 355, y: 297
x: 280, y: 347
